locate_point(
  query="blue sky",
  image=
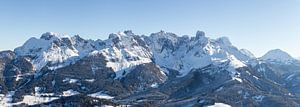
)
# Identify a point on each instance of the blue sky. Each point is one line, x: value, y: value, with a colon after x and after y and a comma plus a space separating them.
x: 256, y: 25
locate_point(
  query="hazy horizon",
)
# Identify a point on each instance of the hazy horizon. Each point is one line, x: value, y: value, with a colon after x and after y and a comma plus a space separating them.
x: 258, y: 26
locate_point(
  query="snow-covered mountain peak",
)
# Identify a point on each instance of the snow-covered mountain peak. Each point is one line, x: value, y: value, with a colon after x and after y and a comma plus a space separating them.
x: 48, y: 35
x: 47, y: 42
x: 200, y: 34
x: 185, y: 53
x: 224, y: 40
x: 164, y: 38
x: 121, y: 36
x: 53, y: 35
x: 200, y: 38
x: 128, y: 32
x: 163, y: 34
x: 113, y: 36
x: 77, y: 38
x: 170, y: 51
x: 53, y: 48
x: 278, y: 55
x: 126, y: 39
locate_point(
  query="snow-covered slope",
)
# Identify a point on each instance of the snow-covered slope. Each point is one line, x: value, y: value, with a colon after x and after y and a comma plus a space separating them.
x: 278, y: 56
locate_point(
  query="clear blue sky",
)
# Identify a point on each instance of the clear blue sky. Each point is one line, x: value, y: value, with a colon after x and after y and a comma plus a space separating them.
x: 257, y: 25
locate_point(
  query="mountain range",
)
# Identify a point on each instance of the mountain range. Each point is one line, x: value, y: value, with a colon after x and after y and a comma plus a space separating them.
x: 162, y: 69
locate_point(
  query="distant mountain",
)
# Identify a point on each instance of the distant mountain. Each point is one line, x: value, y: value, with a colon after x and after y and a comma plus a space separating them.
x: 279, y: 56
x: 161, y: 69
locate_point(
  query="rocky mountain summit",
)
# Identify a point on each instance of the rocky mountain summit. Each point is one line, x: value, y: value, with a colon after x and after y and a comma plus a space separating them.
x: 162, y: 69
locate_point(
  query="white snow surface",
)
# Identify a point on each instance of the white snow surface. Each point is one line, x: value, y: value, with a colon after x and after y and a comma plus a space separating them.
x: 219, y: 105
x: 154, y: 85
x: 101, y: 95
x: 237, y: 79
x: 70, y: 80
x: 70, y: 93
x: 6, y: 100
x: 38, y: 98
x: 33, y: 100
x: 90, y: 80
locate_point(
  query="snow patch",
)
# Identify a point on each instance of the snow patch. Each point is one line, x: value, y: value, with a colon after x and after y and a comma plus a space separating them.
x: 27, y: 99
x: 6, y: 100
x: 237, y: 79
x: 235, y: 62
x: 89, y: 80
x: 219, y: 89
x: 70, y: 93
x: 290, y: 76
x: 258, y: 98
x: 219, y: 105
x: 33, y: 100
x: 70, y: 80
x: 101, y: 95
x: 255, y: 77
x: 154, y: 85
